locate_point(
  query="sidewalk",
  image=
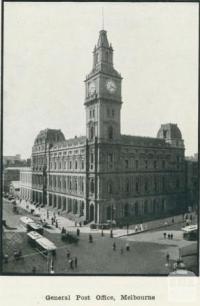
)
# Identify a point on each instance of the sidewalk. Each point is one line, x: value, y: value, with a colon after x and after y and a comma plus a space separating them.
x: 70, y: 225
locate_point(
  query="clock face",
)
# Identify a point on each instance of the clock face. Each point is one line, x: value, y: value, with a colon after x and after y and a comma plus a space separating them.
x: 92, y: 88
x: 111, y: 86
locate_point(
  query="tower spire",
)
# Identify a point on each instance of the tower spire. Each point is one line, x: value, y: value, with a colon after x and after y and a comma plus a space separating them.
x: 102, y: 18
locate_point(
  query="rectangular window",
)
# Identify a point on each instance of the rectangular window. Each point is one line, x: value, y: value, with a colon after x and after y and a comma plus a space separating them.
x: 146, y: 164
x: 126, y: 163
x: 82, y: 164
x: 136, y: 164
x: 110, y: 157
x: 91, y: 157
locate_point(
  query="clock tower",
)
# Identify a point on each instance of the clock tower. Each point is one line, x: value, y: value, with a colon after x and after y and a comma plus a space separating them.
x: 103, y: 94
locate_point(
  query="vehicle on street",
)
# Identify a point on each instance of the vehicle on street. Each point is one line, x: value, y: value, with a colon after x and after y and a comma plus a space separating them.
x: 30, y: 225
x: 190, y: 232
x: 43, y: 245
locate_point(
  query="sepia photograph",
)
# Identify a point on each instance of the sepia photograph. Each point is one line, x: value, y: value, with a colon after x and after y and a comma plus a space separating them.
x: 100, y: 139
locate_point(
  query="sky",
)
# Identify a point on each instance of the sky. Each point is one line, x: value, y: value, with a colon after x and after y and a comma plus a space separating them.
x: 48, y: 52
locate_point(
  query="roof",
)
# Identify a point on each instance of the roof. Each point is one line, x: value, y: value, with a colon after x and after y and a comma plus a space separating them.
x: 103, y: 41
x: 49, y: 136
x: 169, y: 131
x: 26, y: 220
x: 76, y: 141
x: 142, y: 141
x: 34, y: 235
x: 47, y: 244
x: 190, y: 228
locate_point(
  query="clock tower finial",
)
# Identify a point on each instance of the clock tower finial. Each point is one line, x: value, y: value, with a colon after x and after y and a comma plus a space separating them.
x: 102, y: 18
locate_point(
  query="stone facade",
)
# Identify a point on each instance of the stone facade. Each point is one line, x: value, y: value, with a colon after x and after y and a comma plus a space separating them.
x: 107, y: 175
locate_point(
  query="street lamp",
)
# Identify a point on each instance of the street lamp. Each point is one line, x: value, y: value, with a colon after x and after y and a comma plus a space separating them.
x: 112, y: 213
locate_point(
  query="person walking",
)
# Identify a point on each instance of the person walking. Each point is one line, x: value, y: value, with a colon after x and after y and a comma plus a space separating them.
x: 34, y: 270
x: 127, y: 246
x: 111, y: 233
x: 167, y: 258
x: 71, y: 263
x: 75, y: 262
x: 68, y: 254
x: 164, y: 235
x: 114, y: 246
x: 90, y: 238
x: 78, y: 232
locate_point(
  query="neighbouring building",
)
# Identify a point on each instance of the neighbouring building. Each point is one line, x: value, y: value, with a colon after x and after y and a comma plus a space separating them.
x: 15, y: 188
x: 106, y: 175
x: 10, y: 174
x: 192, y: 181
x: 15, y: 161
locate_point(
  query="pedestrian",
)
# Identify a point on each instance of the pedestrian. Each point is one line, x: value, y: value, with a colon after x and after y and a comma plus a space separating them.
x: 68, y: 254
x: 167, y: 257
x: 168, y: 236
x: 111, y: 233
x: 52, y: 221
x: 52, y: 270
x: 172, y: 220
x: 136, y: 228
x: 164, y: 235
x: 47, y: 214
x: 71, y: 263
x: 6, y: 258
x: 102, y: 234
x: 172, y: 236
x: 114, y: 246
x: 56, y: 223
x: 90, y: 238
x: 127, y: 246
x: 63, y: 230
x: 78, y: 232
x: 75, y: 262
x: 34, y: 270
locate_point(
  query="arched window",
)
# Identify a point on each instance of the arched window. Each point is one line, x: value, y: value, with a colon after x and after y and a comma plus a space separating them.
x: 146, y: 186
x: 110, y: 132
x: 127, y: 186
x: 109, y: 187
x: 106, y: 56
x: 91, y: 132
x: 92, y: 186
x: 126, y: 210
x: 145, y: 206
x: 75, y: 184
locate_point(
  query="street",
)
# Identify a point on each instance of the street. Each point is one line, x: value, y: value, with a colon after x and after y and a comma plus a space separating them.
x: 147, y: 253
